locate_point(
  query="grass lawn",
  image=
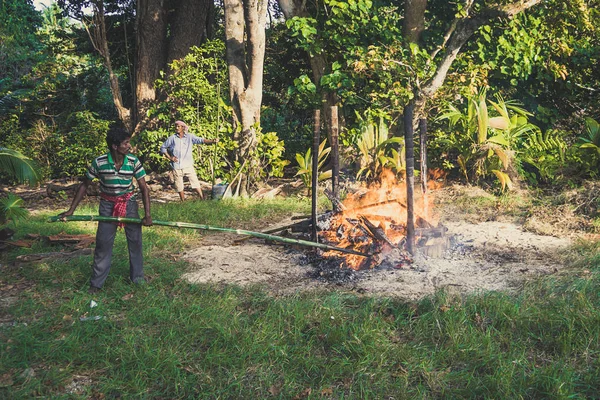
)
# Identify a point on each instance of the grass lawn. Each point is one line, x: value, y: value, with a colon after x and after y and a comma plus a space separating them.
x: 174, y: 340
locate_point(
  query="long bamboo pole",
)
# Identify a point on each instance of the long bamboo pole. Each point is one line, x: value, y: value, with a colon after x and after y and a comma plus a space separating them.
x: 190, y: 225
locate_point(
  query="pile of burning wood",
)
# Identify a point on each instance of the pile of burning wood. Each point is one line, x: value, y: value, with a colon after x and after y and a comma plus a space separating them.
x: 372, y: 223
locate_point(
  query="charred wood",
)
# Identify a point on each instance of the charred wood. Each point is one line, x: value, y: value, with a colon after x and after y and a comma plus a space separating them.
x: 376, y: 231
x: 337, y: 204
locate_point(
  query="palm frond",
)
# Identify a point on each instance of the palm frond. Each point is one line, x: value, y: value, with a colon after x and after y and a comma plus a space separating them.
x: 11, y: 209
x: 18, y: 166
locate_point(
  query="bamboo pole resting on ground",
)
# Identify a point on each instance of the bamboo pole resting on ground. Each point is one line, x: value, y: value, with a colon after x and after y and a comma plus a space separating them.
x: 208, y: 228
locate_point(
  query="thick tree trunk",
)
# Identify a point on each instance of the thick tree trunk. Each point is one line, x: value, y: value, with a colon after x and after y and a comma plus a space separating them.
x: 151, y: 56
x: 189, y: 26
x: 414, y: 20
x: 245, y: 41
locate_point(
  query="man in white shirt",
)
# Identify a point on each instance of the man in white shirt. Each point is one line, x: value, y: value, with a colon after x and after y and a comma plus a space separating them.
x: 178, y: 149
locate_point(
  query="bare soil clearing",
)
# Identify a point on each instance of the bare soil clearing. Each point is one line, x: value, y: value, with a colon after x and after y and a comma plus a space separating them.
x: 482, y: 256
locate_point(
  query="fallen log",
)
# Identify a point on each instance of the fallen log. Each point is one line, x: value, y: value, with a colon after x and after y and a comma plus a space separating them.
x: 274, y: 230
x: 80, y: 240
x: 208, y: 228
x: 53, y: 255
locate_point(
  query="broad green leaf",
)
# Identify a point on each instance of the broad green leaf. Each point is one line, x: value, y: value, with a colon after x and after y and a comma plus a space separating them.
x: 499, y: 139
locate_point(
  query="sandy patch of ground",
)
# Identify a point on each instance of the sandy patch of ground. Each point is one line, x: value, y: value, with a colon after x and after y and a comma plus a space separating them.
x: 481, y: 256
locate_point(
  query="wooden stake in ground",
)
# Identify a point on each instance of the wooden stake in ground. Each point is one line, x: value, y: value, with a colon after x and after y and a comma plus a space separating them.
x: 410, y: 177
x: 423, y: 153
x: 315, y: 172
x: 335, y: 159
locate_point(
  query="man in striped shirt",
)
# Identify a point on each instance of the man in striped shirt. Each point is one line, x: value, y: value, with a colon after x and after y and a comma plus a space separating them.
x: 116, y: 171
x: 178, y: 149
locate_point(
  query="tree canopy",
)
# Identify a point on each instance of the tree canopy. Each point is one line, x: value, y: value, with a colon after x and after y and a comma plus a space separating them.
x: 64, y: 76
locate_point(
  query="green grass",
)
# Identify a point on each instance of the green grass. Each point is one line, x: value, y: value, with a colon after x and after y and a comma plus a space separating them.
x: 174, y: 340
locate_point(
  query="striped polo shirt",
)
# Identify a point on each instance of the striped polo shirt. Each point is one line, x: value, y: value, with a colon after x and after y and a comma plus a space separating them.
x: 113, y: 182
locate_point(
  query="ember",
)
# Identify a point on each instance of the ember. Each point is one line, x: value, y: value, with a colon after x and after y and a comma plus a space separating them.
x: 373, y: 221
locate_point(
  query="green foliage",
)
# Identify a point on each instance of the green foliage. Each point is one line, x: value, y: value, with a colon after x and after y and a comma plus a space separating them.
x: 591, y: 138
x: 512, y: 51
x: 46, y: 114
x: 544, y: 156
x: 588, y: 145
x: 22, y: 169
x: 18, y: 45
x: 305, y: 167
x: 305, y: 91
x: 270, y: 151
x: 194, y: 92
x: 12, y: 209
x: 368, y: 67
x: 17, y: 166
x: 376, y: 152
x: 487, y: 142
x: 85, y: 141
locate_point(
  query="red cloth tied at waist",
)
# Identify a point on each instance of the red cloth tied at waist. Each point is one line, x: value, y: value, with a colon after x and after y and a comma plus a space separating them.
x: 120, y: 207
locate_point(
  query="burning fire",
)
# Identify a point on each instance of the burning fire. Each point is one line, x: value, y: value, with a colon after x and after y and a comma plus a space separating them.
x: 373, y: 221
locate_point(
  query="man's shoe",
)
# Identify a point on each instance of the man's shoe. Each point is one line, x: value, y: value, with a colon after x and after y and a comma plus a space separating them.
x: 93, y: 290
x: 140, y: 281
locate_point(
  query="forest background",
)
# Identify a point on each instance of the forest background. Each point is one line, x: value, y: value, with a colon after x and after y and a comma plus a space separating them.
x: 508, y: 90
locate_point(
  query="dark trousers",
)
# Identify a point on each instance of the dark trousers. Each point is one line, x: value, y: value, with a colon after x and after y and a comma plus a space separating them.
x: 105, y: 239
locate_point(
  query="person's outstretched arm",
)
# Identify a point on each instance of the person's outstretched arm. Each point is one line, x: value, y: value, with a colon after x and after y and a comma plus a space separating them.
x: 78, y: 197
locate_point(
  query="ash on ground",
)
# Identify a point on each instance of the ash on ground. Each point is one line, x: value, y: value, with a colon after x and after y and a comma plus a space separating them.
x: 334, y: 270
x: 486, y: 256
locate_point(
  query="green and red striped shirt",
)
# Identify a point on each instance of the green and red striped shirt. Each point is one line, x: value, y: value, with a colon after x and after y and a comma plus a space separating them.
x: 113, y: 182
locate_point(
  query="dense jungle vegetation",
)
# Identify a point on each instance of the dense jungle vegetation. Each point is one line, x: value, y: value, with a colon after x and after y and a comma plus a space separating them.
x: 519, y: 103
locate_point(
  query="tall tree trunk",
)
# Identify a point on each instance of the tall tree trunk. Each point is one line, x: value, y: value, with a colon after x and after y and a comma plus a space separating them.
x: 410, y: 178
x: 245, y: 42
x: 190, y: 26
x: 151, y: 56
x: 414, y: 20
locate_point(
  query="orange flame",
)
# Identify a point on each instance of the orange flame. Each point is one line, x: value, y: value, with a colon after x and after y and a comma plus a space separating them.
x: 380, y: 207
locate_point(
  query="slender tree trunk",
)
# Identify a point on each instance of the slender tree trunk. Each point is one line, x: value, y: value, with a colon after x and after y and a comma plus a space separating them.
x: 335, y: 158
x: 97, y: 35
x: 423, y: 153
x: 315, y: 173
x: 410, y: 178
